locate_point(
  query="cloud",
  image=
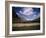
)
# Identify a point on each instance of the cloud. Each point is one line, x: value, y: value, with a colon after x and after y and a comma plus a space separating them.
x: 27, y: 14
x: 26, y: 11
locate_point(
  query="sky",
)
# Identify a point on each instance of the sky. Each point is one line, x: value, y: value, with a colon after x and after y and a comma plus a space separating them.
x: 27, y: 13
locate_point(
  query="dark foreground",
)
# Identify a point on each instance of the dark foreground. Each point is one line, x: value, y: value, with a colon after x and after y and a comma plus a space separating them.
x: 37, y: 27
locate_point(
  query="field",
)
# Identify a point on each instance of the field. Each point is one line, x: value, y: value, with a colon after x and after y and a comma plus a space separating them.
x: 26, y: 26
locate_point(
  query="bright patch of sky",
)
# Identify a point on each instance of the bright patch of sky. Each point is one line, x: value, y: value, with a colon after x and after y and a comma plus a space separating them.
x: 27, y: 11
